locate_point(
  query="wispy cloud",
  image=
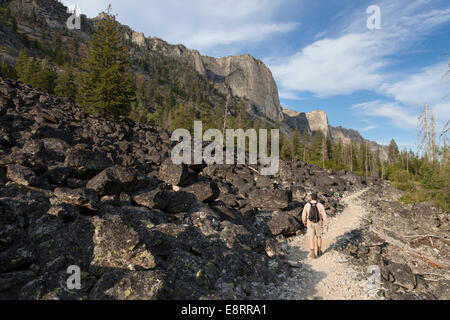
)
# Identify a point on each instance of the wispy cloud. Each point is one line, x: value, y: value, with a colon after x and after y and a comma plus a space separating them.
x: 368, y: 128
x: 396, y: 114
x: 199, y: 24
x: 247, y: 33
x: 424, y: 86
x: 358, y: 59
x: 333, y: 66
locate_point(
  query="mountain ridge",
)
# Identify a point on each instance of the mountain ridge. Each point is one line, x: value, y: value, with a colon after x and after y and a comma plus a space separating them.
x: 242, y: 76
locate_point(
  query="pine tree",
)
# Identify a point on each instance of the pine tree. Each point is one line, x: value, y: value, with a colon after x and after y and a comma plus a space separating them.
x: 295, y: 144
x: 32, y: 75
x: 393, y: 152
x: 46, y: 76
x: 22, y: 67
x: 7, y: 71
x: 105, y: 82
x: 65, y: 84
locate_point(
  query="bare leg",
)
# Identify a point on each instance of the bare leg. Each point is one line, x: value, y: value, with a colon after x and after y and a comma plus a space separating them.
x: 319, y: 246
x: 311, y: 242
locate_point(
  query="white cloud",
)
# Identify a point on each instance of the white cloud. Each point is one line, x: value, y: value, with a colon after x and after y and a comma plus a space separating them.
x: 333, y: 66
x: 249, y: 33
x: 199, y: 24
x: 368, y: 128
x: 425, y: 86
x: 357, y: 59
x: 406, y: 118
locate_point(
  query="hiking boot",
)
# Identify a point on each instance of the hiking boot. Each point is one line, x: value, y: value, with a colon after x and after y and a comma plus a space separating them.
x: 319, y: 252
x: 312, y: 255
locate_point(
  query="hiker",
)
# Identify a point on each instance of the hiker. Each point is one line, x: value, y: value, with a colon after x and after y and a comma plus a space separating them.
x: 314, y: 217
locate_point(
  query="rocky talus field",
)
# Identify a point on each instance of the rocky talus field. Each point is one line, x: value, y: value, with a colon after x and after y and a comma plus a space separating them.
x: 103, y: 195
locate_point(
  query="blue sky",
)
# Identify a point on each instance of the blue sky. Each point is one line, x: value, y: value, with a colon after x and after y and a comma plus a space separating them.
x: 321, y: 52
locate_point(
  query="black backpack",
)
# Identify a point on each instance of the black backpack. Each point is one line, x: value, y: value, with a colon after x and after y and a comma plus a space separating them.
x: 314, y: 215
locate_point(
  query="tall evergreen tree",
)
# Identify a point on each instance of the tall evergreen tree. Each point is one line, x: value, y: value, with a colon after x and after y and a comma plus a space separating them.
x: 105, y: 83
x: 46, y: 76
x: 22, y: 66
x: 65, y: 84
x: 393, y: 152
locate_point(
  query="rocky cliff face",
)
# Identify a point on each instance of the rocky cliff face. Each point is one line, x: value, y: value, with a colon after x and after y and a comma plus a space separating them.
x: 247, y: 78
x: 242, y: 76
x: 315, y: 121
x: 296, y: 120
x: 318, y: 121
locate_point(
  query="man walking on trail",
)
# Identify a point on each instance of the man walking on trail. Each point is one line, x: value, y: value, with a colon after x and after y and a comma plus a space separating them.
x: 315, y: 217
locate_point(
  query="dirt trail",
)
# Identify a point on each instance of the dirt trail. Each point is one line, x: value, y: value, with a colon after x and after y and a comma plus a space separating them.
x: 329, y: 276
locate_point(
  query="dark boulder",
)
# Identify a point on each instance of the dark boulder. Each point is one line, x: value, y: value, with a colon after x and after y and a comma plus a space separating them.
x: 279, y: 223
x: 205, y: 191
x: 173, y: 174
x: 236, y: 235
x: 21, y: 175
x: 274, y: 250
x: 56, y: 148
x: 79, y: 197
x: 402, y: 275
x: 269, y: 199
x: 298, y: 193
x: 149, y: 199
x: 167, y: 201
x: 113, y: 180
x: 129, y: 285
x: 59, y: 174
x: 179, y: 201
x: 116, y: 245
x: 325, y: 180
x: 87, y: 163
x: 65, y: 211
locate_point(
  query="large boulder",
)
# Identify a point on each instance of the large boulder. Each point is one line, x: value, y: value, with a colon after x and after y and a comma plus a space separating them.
x: 402, y: 275
x: 116, y: 245
x: 173, y: 174
x: 151, y: 199
x: 21, y: 175
x: 87, y: 163
x: 113, y: 180
x: 273, y: 249
x: 236, y: 235
x: 129, y: 285
x: 325, y: 180
x: 167, y: 201
x: 279, y: 223
x: 205, y: 191
x: 179, y: 201
x: 65, y: 211
x: 269, y: 199
x: 298, y: 193
x: 80, y: 197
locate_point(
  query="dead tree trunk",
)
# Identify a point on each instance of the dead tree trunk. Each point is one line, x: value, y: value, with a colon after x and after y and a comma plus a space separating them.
x: 438, y: 264
x: 433, y: 136
x: 427, y: 128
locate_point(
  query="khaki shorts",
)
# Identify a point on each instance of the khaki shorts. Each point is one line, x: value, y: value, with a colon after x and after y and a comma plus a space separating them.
x: 314, y: 229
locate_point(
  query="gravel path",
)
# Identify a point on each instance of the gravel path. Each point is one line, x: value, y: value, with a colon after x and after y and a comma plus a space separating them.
x: 329, y: 276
